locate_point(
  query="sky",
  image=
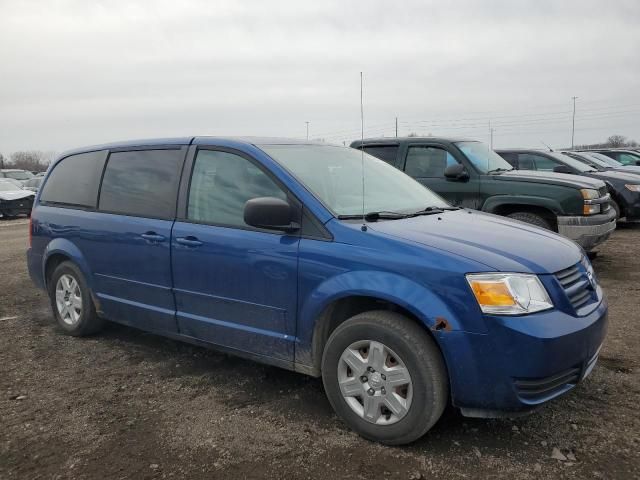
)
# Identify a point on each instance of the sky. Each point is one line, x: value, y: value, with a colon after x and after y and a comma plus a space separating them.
x: 80, y: 72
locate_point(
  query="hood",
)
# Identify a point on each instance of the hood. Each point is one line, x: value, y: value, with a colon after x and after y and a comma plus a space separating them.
x: 502, y: 244
x: 628, y: 168
x: 16, y: 194
x: 614, y: 175
x: 551, y: 178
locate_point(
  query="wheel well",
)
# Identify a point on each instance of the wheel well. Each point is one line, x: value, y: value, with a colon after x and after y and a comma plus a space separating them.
x: 345, y: 308
x: 52, y: 263
x: 545, y: 213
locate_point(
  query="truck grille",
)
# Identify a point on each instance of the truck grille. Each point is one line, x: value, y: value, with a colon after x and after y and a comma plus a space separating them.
x: 577, y: 285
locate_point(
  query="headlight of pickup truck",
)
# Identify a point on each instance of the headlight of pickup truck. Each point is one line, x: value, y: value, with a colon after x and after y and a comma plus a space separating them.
x: 589, y: 208
x: 509, y: 293
x: 633, y: 188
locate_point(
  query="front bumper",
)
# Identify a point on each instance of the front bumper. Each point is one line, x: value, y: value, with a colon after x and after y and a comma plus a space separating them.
x: 588, y: 231
x: 522, y: 362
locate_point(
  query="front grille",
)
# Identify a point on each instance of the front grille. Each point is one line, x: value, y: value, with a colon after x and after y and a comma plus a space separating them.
x: 576, y: 284
x: 18, y: 205
x: 539, y: 389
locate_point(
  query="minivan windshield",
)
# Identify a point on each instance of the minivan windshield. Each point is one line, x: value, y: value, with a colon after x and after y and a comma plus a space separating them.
x: 572, y: 162
x: 483, y: 158
x: 334, y: 175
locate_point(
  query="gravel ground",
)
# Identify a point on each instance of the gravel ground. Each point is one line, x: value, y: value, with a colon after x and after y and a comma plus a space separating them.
x: 126, y: 404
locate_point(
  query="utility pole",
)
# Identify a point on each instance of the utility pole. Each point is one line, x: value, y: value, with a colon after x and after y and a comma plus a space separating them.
x: 573, y: 121
x: 396, y: 127
x: 490, y: 136
x: 307, y: 130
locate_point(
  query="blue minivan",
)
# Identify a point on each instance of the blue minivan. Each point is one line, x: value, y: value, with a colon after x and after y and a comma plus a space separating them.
x: 260, y: 247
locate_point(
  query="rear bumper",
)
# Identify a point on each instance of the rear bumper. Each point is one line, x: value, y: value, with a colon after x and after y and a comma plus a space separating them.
x: 588, y: 231
x: 34, y: 266
x: 522, y: 362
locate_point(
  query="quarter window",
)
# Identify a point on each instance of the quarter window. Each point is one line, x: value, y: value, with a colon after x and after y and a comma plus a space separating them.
x: 222, y: 183
x: 141, y: 183
x: 74, y: 180
x: 428, y: 162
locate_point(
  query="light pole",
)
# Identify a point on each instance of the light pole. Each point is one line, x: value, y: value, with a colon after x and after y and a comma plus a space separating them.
x: 307, y: 130
x: 573, y: 121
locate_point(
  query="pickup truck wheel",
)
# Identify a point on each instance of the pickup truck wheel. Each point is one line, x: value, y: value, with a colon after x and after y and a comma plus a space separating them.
x: 385, y: 377
x: 71, y: 301
x: 531, y: 218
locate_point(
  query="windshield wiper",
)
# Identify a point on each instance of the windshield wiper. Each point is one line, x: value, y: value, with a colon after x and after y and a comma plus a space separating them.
x: 432, y: 211
x: 498, y: 170
x: 374, y: 216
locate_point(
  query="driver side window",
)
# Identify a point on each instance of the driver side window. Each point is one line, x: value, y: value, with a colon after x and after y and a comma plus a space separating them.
x: 428, y: 162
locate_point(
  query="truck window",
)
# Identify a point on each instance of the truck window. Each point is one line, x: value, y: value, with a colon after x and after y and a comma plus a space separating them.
x: 141, y: 183
x: 74, y: 180
x: 388, y: 153
x: 537, y: 162
x: 222, y: 183
x: 428, y: 162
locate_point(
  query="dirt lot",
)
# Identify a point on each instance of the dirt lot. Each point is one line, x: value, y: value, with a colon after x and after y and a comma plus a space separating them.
x: 126, y: 404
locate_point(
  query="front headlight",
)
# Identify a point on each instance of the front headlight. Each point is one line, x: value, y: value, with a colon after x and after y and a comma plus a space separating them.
x: 509, y: 293
x: 589, y: 194
x: 633, y: 187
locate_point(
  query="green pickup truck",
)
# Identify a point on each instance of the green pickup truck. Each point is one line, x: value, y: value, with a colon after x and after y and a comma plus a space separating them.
x: 469, y: 174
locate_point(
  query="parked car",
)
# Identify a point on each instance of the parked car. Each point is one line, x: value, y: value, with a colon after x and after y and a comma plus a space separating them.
x: 14, y: 200
x: 259, y: 247
x: 624, y: 187
x: 625, y: 157
x: 469, y: 174
x: 601, y: 162
x: 16, y: 174
x: 34, y: 183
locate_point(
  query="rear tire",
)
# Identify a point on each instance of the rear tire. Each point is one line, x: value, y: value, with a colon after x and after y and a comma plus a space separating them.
x: 71, y: 301
x: 385, y: 377
x: 532, y: 219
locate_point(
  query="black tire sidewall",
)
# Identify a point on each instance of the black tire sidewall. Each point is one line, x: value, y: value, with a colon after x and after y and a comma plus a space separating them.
x: 531, y: 219
x: 424, y: 410
x: 88, y: 316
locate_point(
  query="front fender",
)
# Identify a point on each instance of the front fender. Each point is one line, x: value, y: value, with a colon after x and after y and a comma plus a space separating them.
x: 428, y: 307
x: 493, y: 204
x: 63, y: 246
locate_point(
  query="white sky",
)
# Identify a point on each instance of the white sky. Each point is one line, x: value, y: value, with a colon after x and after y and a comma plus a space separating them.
x: 84, y: 72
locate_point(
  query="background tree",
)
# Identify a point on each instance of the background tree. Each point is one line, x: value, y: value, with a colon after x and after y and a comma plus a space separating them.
x: 32, y: 160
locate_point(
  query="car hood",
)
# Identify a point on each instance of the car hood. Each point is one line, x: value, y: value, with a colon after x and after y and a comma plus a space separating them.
x: 614, y: 175
x: 15, y: 194
x: 498, y: 242
x: 552, y: 178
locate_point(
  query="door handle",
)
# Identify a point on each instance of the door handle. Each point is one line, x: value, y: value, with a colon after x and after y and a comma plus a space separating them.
x: 153, y: 237
x: 189, y: 241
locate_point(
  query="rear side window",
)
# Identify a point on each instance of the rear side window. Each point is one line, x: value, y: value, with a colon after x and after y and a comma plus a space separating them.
x: 388, y: 153
x: 74, y: 180
x: 141, y: 183
x: 428, y: 162
x: 540, y: 162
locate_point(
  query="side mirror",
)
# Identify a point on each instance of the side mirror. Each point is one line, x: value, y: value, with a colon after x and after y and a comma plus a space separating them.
x: 270, y: 213
x: 456, y: 172
x: 562, y: 169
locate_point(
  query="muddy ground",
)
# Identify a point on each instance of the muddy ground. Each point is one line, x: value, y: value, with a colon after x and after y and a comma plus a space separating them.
x: 126, y: 404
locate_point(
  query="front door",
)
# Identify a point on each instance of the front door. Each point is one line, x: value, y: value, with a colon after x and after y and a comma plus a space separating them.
x: 427, y: 163
x: 234, y: 285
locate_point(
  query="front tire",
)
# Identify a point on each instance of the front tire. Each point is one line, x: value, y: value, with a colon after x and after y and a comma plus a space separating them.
x: 71, y: 301
x: 531, y: 218
x: 385, y: 377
